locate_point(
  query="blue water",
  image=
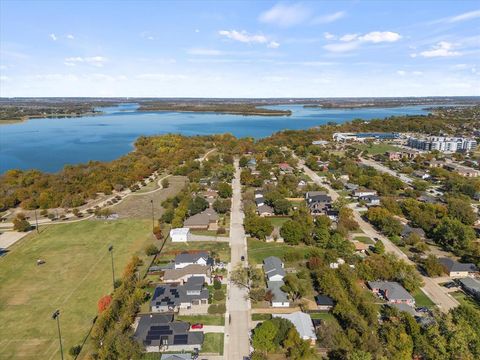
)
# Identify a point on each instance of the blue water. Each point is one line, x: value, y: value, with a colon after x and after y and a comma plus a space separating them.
x: 49, y: 144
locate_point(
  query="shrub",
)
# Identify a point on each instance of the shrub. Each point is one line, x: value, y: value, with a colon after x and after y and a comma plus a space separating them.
x: 151, y: 250
x: 221, y: 231
x: 165, y: 183
x: 217, y: 285
x: 75, y: 350
x: 219, y: 295
x: 104, y: 303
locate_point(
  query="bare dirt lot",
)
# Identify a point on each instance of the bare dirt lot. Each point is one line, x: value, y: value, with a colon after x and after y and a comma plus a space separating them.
x: 138, y: 206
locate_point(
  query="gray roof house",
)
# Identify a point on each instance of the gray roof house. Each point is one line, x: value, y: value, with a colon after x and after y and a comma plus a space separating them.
x: 407, y: 230
x: 457, y: 269
x: 393, y: 292
x: 303, y: 323
x: 185, y: 259
x: 159, y: 332
x: 279, y: 298
x: 318, y: 202
x: 471, y: 286
x: 265, y: 210
x: 173, y: 297
x: 273, y: 268
x: 179, y: 356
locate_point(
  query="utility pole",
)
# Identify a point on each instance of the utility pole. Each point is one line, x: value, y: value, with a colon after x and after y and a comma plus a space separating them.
x: 153, y: 217
x: 36, y: 221
x: 56, y: 316
x: 110, y: 249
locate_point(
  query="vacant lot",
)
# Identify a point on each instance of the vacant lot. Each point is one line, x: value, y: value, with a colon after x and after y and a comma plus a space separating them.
x: 259, y: 250
x: 76, y: 274
x: 375, y: 149
x: 138, y: 205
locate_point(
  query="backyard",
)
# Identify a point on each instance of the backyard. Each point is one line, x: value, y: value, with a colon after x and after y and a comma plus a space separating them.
x: 76, y: 273
x: 259, y: 250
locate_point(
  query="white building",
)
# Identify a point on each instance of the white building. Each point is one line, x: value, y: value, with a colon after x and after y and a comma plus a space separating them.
x: 303, y: 323
x: 180, y: 234
x: 442, y: 144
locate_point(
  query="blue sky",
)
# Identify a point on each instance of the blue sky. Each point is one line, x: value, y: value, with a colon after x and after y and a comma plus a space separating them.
x: 239, y: 48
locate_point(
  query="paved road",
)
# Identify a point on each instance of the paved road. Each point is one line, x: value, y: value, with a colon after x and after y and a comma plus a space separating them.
x: 377, y: 166
x: 434, y: 291
x: 237, y: 328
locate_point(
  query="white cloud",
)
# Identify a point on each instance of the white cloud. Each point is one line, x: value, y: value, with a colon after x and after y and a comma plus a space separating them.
x: 273, y: 45
x: 285, y: 15
x: 401, y: 72
x: 53, y: 37
x: 348, y: 37
x: 243, y: 36
x: 441, y: 49
x: 329, y: 36
x: 197, y: 31
x: 70, y: 37
x: 465, y: 16
x: 380, y: 36
x: 329, y: 18
x: 205, y: 52
x: 97, y: 61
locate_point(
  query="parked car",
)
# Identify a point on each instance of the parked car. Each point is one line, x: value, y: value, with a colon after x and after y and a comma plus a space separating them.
x: 196, y: 326
x: 450, y: 285
x: 242, y: 258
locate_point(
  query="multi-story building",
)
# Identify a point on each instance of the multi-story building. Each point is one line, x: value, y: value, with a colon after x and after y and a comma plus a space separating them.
x: 443, y: 144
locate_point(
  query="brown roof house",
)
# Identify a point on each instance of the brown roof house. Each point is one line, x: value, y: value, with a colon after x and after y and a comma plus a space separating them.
x: 206, y: 220
x: 183, y: 274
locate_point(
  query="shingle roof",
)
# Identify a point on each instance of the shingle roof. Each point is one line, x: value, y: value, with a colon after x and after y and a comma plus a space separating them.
x: 392, y: 290
x: 302, y: 322
x: 471, y: 284
x: 272, y: 265
x: 276, y: 288
x: 194, y: 269
x: 176, y: 357
x: 265, y: 209
x: 454, y: 266
x: 324, y: 300
x: 190, y: 258
x: 172, y: 295
x: 202, y: 219
x: 403, y: 308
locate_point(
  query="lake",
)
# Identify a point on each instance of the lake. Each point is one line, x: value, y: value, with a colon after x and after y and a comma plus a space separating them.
x: 49, y: 144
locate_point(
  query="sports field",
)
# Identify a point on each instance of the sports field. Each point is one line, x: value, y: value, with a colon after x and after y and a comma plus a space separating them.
x: 76, y: 274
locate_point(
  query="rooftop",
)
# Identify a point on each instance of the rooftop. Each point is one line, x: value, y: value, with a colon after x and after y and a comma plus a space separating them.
x: 392, y: 290
x: 302, y: 322
x: 453, y: 266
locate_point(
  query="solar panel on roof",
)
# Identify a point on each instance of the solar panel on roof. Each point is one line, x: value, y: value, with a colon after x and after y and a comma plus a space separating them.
x: 180, y: 339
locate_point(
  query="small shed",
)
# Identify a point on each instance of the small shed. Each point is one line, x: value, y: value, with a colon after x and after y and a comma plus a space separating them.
x: 180, y: 234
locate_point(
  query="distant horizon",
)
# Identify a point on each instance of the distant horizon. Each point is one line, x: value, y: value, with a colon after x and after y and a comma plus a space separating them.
x: 239, y: 49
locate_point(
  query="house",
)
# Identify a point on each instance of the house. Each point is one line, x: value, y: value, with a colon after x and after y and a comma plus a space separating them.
x: 265, y: 210
x: 393, y: 155
x: 361, y: 192
x: 180, y: 234
x: 285, y: 168
x: 324, y: 302
x: 185, y: 273
x: 258, y: 194
x: 179, y: 356
x: 455, y: 269
x: 360, y: 247
x: 259, y: 201
x: 462, y: 170
x: 159, y: 332
x: 185, y: 259
x: 435, y: 163
x: 279, y: 298
x: 471, y: 286
x: 252, y: 164
x: 210, y: 196
x: 393, y: 292
x: 206, y: 220
x: 351, y: 186
x: 303, y: 323
x: 273, y: 268
x: 318, y: 202
x: 408, y: 230
x: 370, y: 200
x: 332, y: 214
x: 421, y: 174
x: 173, y: 297
x: 403, y: 308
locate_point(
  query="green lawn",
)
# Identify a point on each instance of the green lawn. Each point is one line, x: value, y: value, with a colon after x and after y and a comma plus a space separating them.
x: 323, y: 315
x: 76, y: 274
x: 278, y: 221
x: 376, y: 149
x: 171, y: 249
x: 213, y: 343
x: 203, y: 319
x: 422, y: 300
x: 261, y: 317
x: 364, y: 239
x: 208, y: 233
x: 259, y: 250
x: 464, y: 299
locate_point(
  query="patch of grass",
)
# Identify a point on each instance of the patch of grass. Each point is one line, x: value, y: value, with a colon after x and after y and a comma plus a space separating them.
x: 203, y: 319
x: 278, y: 221
x: 213, y: 343
x: 375, y: 149
x: 422, y: 300
x: 208, y: 233
x: 323, y: 315
x: 259, y: 250
x: 76, y: 274
x: 171, y: 249
x: 365, y: 240
x: 261, y: 317
x: 465, y: 299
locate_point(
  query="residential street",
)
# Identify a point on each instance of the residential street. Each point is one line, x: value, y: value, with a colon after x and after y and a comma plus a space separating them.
x: 379, y: 167
x: 434, y: 291
x: 237, y: 324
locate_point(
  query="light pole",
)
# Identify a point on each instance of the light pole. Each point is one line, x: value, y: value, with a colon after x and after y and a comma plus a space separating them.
x: 110, y: 249
x: 36, y: 221
x: 56, y: 316
x: 153, y: 217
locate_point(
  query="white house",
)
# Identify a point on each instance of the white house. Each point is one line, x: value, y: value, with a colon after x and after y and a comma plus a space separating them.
x: 180, y: 234
x: 363, y: 192
x: 303, y: 323
x: 184, y: 259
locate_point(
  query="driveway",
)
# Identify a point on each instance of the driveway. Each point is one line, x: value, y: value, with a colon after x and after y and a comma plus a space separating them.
x: 237, y: 344
x: 194, y: 237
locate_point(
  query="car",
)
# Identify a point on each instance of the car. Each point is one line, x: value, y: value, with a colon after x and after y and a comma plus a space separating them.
x: 376, y: 239
x: 450, y: 285
x: 197, y: 326
x: 242, y: 258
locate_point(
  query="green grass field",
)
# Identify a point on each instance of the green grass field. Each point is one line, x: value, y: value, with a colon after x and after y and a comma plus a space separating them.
x: 278, y: 221
x: 259, y: 250
x: 465, y: 299
x: 422, y: 300
x: 364, y: 239
x: 76, y: 274
x: 213, y: 343
x: 376, y: 149
x: 323, y: 315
